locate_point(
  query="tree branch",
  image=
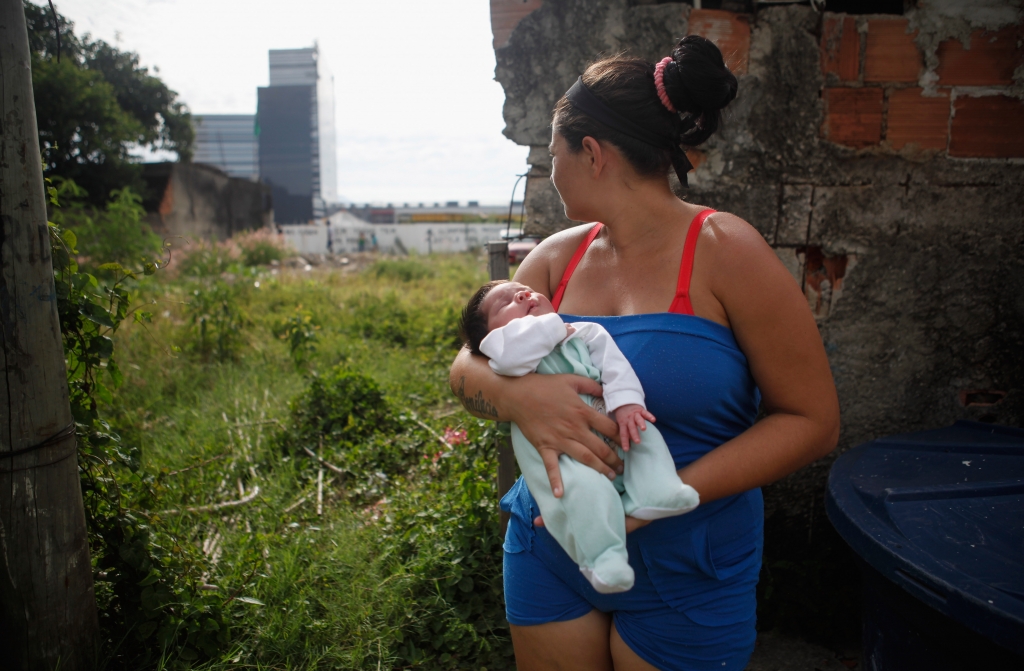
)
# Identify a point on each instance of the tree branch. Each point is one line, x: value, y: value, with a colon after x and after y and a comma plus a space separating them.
x: 216, y: 506
x: 328, y: 465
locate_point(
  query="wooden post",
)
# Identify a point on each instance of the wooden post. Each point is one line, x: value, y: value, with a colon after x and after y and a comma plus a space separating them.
x: 497, y: 260
x: 47, y: 605
x: 497, y: 266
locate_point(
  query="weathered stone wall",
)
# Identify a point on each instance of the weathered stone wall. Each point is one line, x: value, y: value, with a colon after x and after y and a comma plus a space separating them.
x: 884, y: 162
x: 193, y: 200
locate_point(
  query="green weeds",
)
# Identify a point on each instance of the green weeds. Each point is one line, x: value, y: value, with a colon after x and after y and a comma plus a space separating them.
x: 115, y: 233
x: 290, y: 440
x: 147, y: 582
x: 217, y: 320
x: 406, y: 270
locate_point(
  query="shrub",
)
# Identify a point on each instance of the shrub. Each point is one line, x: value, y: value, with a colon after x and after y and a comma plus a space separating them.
x: 391, y: 320
x: 115, y: 234
x: 343, y: 409
x: 204, y: 259
x: 260, y: 247
x: 247, y: 249
x: 442, y: 523
x: 300, y: 331
x: 216, y: 320
x: 382, y: 318
x: 434, y: 512
x: 442, y: 331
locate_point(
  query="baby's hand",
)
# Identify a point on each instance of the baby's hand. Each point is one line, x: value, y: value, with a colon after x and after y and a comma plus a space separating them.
x: 631, y: 422
x: 569, y: 330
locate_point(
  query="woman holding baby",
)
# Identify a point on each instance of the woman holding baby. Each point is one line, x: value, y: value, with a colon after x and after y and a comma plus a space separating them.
x: 714, y: 327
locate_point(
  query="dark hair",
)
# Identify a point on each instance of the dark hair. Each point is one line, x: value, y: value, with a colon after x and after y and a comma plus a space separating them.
x: 473, y: 322
x: 697, y: 82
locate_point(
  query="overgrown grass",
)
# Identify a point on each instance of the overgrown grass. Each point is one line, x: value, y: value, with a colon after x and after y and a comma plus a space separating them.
x: 224, y: 393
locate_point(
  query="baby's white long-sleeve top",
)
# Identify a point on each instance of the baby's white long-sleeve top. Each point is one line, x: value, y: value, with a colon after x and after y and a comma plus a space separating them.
x: 517, y: 348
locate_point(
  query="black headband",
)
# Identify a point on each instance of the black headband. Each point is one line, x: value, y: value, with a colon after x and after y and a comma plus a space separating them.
x: 585, y: 101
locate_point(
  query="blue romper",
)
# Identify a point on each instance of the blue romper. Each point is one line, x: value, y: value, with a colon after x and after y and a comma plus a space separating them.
x: 693, y: 604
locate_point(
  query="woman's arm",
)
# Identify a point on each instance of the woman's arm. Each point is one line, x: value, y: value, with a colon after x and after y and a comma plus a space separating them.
x: 546, y: 408
x: 774, y: 327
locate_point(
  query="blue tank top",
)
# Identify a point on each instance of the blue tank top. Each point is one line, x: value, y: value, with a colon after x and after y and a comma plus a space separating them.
x: 695, y: 378
x: 698, y: 385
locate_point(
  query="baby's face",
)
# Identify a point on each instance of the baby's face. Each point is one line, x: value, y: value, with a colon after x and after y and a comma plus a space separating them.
x: 510, y: 301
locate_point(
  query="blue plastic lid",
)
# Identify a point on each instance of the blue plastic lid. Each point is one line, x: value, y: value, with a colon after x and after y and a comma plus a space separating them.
x: 941, y: 514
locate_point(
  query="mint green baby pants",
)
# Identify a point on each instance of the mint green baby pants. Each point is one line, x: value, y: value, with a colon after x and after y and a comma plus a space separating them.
x: 588, y: 521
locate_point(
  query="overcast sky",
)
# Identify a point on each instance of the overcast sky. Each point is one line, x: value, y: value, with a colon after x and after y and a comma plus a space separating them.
x: 418, y: 110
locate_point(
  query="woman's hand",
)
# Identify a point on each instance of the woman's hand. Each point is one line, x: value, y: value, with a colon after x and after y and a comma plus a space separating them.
x: 556, y: 421
x: 632, y: 523
x: 546, y: 408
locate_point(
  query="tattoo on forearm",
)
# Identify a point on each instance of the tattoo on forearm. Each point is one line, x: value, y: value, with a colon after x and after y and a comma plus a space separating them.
x: 475, y: 403
x: 480, y: 404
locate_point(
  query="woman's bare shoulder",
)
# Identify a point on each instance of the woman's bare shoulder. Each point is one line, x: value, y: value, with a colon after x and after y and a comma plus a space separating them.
x: 731, y: 240
x: 745, y: 274
x: 542, y: 270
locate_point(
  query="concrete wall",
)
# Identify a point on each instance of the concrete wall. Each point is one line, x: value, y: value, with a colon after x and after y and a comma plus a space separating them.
x: 881, y: 156
x: 432, y: 238
x: 194, y: 200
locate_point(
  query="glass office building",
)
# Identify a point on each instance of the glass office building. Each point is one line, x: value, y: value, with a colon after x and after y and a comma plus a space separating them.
x: 295, y: 123
x: 228, y: 141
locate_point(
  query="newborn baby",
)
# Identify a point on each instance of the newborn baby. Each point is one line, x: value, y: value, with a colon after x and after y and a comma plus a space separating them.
x: 519, y: 331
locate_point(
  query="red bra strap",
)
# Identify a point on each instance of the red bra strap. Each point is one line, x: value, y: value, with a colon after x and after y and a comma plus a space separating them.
x: 556, y: 300
x: 681, y: 303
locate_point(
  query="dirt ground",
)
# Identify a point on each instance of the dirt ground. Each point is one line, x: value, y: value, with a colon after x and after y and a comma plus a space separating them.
x: 347, y: 263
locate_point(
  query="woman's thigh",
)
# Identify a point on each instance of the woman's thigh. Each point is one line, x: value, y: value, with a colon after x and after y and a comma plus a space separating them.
x: 572, y: 645
x: 623, y: 657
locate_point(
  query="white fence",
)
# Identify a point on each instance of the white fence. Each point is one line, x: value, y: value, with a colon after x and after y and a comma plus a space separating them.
x: 421, y: 238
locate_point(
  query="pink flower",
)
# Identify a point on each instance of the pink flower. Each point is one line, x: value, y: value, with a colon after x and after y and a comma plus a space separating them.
x: 455, y: 437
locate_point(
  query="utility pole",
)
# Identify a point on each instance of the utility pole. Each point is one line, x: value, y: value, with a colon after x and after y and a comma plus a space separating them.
x: 47, y: 605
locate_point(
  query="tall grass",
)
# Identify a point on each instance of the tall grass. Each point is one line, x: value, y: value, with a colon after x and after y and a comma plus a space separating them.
x: 400, y: 567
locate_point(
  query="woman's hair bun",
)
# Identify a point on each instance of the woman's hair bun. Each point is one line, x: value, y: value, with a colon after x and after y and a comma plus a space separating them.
x: 699, y: 85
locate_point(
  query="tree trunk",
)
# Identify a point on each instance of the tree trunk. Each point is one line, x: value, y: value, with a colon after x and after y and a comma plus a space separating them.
x: 47, y: 605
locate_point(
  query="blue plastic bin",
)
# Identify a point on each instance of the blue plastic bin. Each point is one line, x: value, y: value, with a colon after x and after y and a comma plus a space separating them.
x: 938, y: 519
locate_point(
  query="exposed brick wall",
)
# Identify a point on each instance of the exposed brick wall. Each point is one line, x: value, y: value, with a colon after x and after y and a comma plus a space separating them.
x: 506, y: 15
x: 916, y: 119
x: 729, y: 31
x: 697, y: 157
x: 840, y: 48
x: 890, y: 54
x: 988, y: 127
x: 854, y: 116
x: 990, y: 61
x: 880, y: 93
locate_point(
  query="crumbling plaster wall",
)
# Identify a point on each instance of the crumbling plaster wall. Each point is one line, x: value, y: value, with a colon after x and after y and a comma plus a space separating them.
x: 198, y: 201
x: 912, y: 259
